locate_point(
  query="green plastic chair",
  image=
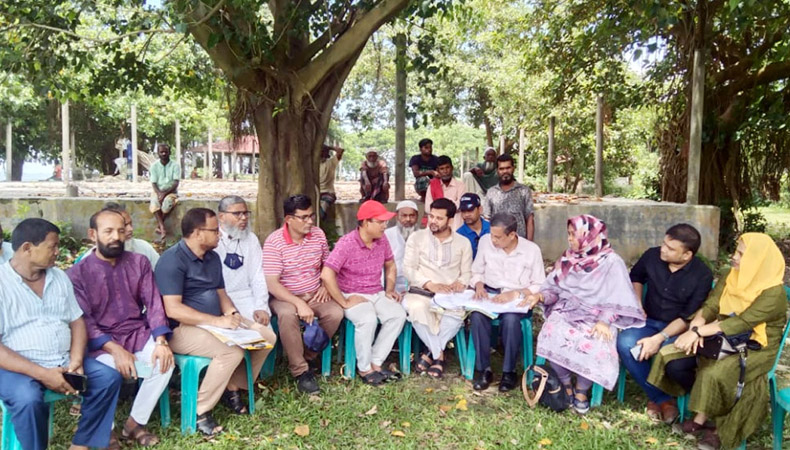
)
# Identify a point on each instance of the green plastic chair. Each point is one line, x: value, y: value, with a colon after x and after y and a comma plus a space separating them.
x: 191, y: 368
x: 527, y: 346
x: 347, y: 333
x: 9, y: 440
x: 268, y: 366
x: 780, y: 398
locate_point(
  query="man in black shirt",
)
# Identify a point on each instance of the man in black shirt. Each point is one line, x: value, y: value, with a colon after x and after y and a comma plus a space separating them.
x: 676, y: 284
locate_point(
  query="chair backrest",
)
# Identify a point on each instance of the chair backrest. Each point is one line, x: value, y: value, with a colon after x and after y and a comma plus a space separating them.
x: 782, y: 342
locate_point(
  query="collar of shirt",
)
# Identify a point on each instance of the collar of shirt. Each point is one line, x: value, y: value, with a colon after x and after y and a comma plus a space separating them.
x: 287, y: 235
x: 18, y: 278
x: 182, y: 245
x: 93, y: 259
x: 466, y: 230
x: 522, y: 248
x: 449, y: 239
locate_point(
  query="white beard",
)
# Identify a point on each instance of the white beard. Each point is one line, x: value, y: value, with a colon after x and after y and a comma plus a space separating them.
x: 489, y: 166
x: 405, y: 232
x: 235, y: 233
x: 371, y: 165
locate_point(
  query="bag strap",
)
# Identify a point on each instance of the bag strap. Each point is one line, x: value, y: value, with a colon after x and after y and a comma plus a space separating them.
x: 544, y: 376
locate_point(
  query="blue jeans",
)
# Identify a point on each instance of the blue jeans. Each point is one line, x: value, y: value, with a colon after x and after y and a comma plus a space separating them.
x: 24, y: 399
x: 639, y: 370
x: 510, y: 331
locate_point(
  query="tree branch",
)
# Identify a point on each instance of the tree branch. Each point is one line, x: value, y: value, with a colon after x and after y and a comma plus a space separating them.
x: 345, y: 47
x: 86, y: 38
x: 768, y: 74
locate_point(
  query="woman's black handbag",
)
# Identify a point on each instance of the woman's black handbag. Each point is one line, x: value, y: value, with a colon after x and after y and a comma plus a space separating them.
x: 720, y: 346
x: 544, y: 388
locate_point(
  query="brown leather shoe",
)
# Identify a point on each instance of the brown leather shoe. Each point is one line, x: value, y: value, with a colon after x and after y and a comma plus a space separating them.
x: 710, y: 441
x: 669, y: 411
x: 653, y: 412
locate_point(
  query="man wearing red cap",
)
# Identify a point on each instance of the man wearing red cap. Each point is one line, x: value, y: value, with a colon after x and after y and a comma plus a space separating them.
x: 352, y: 276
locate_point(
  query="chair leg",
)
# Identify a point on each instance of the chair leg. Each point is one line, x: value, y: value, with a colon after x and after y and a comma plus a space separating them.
x: 326, y: 361
x: 527, y: 350
x: 351, y: 351
x: 250, y: 382
x: 778, y: 416
x: 267, y: 370
x: 683, y: 406
x: 597, y: 395
x: 404, y: 348
x: 462, y: 349
x: 164, y: 408
x: 470, y: 354
x: 621, y: 384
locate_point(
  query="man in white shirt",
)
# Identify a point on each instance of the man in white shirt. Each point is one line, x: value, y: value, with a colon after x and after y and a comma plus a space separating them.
x: 242, y: 268
x: 398, y: 235
x: 438, y: 260
x: 508, y: 267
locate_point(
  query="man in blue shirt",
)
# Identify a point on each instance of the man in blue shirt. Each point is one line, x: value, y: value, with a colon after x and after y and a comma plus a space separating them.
x: 42, y: 336
x: 474, y: 226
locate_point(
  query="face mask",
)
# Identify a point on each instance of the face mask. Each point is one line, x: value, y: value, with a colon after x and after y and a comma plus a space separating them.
x: 234, y: 261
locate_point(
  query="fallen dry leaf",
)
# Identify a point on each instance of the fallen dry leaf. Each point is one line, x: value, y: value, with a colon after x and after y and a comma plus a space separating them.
x: 544, y: 442
x: 398, y: 433
x: 651, y: 440
x: 428, y: 390
x: 445, y: 408
x: 584, y: 426
x: 405, y: 424
x: 385, y: 424
x: 302, y: 430
x: 671, y: 444
x: 372, y: 411
x: 461, y: 404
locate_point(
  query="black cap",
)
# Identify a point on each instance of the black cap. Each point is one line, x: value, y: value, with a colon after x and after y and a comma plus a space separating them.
x: 469, y: 201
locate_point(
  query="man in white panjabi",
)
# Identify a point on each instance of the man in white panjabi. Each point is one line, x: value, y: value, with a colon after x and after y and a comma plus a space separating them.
x: 438, y: 260
x: 397, y: 236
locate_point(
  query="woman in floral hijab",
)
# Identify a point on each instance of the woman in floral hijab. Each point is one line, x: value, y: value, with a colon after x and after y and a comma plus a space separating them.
x: 586, y: 299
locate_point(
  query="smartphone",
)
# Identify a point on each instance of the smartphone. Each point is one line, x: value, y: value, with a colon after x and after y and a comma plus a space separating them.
x: 420, y: 291
x: 77, y: 380
x: 636, y: 351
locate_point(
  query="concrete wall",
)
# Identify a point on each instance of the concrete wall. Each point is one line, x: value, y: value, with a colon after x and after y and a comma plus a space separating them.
x: 633, y: 225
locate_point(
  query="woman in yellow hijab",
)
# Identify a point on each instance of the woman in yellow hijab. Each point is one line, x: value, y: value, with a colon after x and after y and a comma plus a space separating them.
x: 750, y: 297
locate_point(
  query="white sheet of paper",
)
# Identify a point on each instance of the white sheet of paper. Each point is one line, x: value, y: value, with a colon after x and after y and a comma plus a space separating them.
x: 239, y: 336
x: 466, y: 300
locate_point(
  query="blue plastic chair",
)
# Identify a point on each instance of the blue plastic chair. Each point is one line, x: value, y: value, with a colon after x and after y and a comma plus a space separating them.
x: 268, y: 365
x: 347, y: 333
x: 191, y: 368
x: 527, y: 346
x: 780, y: 399
x: 9, y: 440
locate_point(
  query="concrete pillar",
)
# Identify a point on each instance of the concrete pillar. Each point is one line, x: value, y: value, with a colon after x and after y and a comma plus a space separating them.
x: 233, y: 167
x: 522, y: 142
x: 462, y: 166
x: 400, y: 116
x: 222, y: 173
x: 695, y: 128
x: 73, y: 147
x: 178, y: 147
x: 550, y: 162
x: 134, y: 144
x: 208, y: 166
x: 502, y: 144
x: 599, y: 147
x: 8, y: 156
x: 65, y: 162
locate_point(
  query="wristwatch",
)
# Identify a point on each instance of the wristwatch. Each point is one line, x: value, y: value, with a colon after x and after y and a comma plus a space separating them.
x: 163, y: 342
x: 521, y: 296
x: 696, y: 330
x: 666, y: 336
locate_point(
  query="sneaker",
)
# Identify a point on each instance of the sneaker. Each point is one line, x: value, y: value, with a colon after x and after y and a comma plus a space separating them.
x: 483, y: 380
x: 654, y: 412
x: 307, y: 384
x: 710, y: 441
x: 669, y: 411
x: 508, y: 382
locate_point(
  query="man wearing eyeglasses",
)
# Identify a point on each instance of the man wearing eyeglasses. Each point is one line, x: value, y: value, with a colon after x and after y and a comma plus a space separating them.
x: 293, y: 257
x: 189, y: 276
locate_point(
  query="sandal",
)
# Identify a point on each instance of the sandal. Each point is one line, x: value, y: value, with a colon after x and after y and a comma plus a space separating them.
x: 374, y: 378
x: 207, y: 425
x: 581, y: 405
x: 570, y: 392
x: 114, y: 444
x: 232, y: 399
x: 140, y: 435
x: 437, y: 369
x: 424, y: 362
x: 390, y: 375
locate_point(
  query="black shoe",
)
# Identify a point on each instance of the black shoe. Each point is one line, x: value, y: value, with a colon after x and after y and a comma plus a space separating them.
x: 508, y: 382
x: 483, y: 380
x: 307, y: 384
x: 314, y: 365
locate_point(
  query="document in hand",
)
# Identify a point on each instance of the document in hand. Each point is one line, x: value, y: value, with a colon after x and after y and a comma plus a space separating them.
x: 244, y: 338
x: 465, y: 300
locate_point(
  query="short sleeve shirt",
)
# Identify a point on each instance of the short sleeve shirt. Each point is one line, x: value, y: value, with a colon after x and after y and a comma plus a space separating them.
x: 196, y: 280
x: 516, y: 201
x: 671, y: 295
x: 38, y: 327
x: 326, y: 171
x: 472, y: 235
x: 165, y: 176
x: 358, y: 267
x: 431, y: 164
x: 298, y: 265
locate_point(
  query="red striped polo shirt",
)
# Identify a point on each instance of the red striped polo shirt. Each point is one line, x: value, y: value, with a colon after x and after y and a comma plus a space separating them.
x: 297, y: 265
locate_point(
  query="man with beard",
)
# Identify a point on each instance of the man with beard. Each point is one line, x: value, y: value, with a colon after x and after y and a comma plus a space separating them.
x: 398, y: 235
x: 510, y: 196
x: 438, y: 260
x: 445, y: 186
x: 242, y: 268
x: 352, y: 276
x: 165, y: 175
x: 124, y: 317
x: 374, y: 178
x: 326, y: 177
x: 677, y: 284
x: 423, y: 167
x: 131, y: 243
x: 508, y: 267
x: 42, y: 336
x: 189, y: 276
x: 483, y: 176
x: 474, y: 226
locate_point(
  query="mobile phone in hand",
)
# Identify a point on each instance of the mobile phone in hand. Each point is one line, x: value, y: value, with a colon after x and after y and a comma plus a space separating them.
x: 77, y: 380
x: 636, y: 351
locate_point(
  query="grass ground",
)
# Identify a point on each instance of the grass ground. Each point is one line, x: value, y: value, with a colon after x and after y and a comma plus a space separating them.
x: 778, y: 218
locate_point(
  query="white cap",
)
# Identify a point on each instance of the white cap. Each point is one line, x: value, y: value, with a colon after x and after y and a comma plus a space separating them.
x: 406, y: 204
